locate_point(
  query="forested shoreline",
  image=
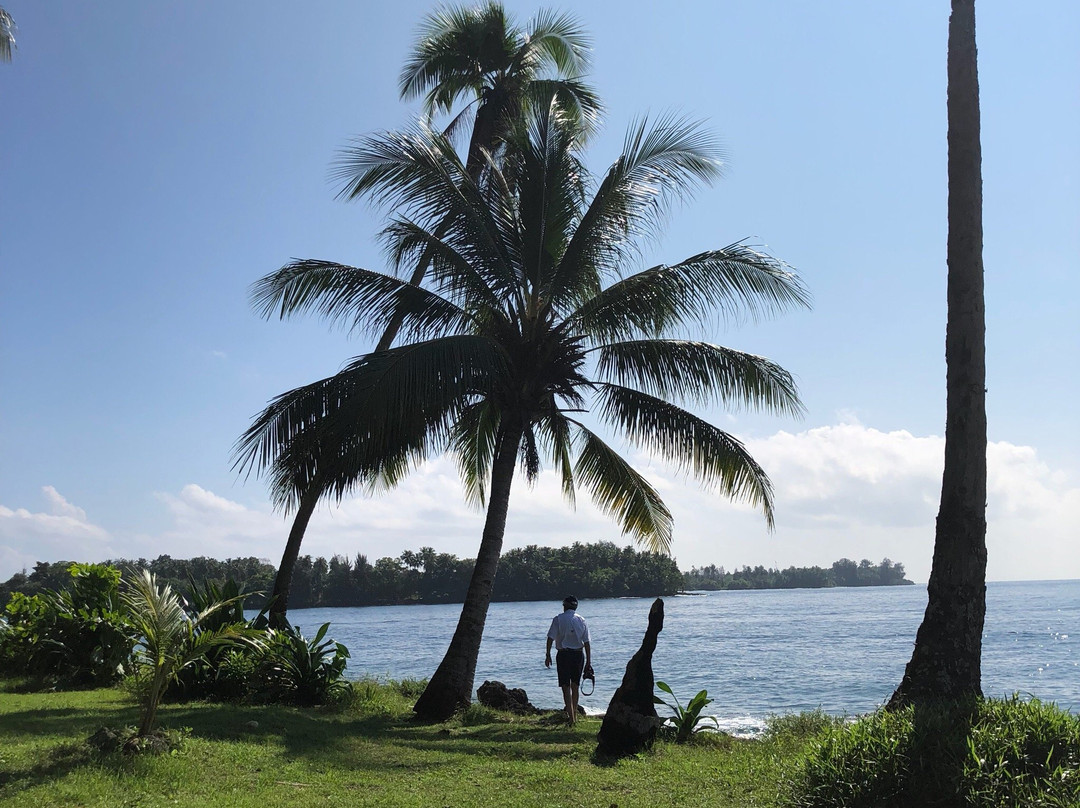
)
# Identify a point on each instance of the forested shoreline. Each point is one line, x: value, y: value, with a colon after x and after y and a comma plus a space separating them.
x: 595, y: 570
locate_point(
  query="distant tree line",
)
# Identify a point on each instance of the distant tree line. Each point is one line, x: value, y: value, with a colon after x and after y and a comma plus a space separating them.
x: 844, y: 572
x: 596, y: 570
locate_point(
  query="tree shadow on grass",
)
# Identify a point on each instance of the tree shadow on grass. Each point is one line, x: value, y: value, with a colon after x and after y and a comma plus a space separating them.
x: 336, y: 737
x: 65, y: 721
x: 347, y: 741
x: 60, y: 761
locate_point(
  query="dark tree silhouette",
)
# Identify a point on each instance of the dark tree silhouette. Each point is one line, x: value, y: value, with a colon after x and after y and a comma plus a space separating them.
x: 947, y: 660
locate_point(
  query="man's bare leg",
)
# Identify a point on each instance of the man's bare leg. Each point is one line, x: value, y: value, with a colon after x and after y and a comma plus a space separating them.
x: 574, y: 689
x: 569, y: 694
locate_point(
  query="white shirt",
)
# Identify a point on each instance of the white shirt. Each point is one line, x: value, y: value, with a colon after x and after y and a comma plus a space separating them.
x: 568, y: 630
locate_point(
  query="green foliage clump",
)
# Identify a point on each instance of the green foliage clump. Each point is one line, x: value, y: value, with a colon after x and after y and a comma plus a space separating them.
x: 986, y: 754
x: 78, y: 635
x: 806, y: 724
x: 686, y: 721
x: 293, y: 669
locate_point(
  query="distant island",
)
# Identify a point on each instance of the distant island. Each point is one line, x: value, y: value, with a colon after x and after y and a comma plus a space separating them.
x: 844, y: 572
x: 594, y: 570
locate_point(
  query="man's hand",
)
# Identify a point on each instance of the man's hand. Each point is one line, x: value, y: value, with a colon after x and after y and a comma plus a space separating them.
x: 547, y: 661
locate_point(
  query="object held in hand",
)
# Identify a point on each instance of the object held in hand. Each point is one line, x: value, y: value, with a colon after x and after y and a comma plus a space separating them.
x: 588, y: 675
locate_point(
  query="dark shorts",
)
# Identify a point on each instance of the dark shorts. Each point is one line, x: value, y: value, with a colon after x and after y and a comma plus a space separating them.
x: 570, y: 662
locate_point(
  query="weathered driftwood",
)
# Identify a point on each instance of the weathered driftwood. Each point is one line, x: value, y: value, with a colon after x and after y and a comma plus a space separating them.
x: 631, y: 721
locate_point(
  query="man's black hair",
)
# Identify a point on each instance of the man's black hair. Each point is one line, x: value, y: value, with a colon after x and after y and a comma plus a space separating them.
x: 569, y: 602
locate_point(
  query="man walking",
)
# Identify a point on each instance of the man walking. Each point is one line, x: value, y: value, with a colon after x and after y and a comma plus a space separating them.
x: 571, y: 638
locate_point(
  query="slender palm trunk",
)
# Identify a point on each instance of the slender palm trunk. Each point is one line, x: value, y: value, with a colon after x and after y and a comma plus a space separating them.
x: 283, y: 582
x: 158, y: 683
x: 452, y: 684
x: 947, y: 660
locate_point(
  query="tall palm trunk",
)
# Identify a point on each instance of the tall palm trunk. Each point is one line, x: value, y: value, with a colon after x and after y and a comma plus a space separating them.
x: 452, y: 684
x: 283, y: 582
x: 946, y: 662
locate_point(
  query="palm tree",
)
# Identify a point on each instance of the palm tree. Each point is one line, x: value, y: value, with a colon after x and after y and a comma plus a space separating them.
x: 476, y: 53
x: 947, y: 660
x: 170, y: 639
x: 526, y: 322
x: 7, y: 36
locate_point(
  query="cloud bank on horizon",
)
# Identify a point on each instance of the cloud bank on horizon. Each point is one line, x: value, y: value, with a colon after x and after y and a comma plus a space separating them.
x: 845, y: 490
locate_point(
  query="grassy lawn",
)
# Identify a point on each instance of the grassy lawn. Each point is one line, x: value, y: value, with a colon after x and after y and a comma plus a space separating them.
x: 369, y: 754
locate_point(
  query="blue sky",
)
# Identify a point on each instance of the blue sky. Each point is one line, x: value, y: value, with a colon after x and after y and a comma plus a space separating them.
x: 156, y: 159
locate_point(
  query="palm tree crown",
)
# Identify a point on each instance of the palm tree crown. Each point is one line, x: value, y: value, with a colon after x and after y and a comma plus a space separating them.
x: 526, y: 320
x: 481, y: 56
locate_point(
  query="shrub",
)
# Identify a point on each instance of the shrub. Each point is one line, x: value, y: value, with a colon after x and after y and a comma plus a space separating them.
x: 301, y: 671
x: 225, y: 672
x: 78, y: 635
x: 987, y: 754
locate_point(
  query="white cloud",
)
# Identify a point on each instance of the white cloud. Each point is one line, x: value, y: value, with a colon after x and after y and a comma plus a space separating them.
x: 63, y: 532
x: 842, y: 490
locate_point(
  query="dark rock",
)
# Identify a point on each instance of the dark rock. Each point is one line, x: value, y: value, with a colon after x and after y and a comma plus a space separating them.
x: 498, y: 696
x: 631, y: 721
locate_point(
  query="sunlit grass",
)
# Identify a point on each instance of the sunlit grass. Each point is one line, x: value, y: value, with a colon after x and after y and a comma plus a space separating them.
x: 366, y: 753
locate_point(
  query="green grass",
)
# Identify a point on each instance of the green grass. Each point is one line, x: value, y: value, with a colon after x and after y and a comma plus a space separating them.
x: 367, y: 753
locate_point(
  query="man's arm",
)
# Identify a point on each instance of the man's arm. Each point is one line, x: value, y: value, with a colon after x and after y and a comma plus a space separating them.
x: 588, y: 653
x: 547, y: 655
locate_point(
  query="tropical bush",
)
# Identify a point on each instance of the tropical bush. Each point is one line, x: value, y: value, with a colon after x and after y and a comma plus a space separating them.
x: 988, y: 754
x: 78, y: 635
x: 296, y: 670
x: 686, y: 721
x: 224, y: 672
x: 169, y: 639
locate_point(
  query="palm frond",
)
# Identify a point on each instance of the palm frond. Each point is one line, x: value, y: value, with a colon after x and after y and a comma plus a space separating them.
x: 553, y: 430
x: 562, y: 41
x: 577, y: 100
x: 7, y: 36
x: 736, y: 282
x: 378, y: 400
x: 690, y: 443
x: 473, y: 442
x: 455, y: 47
x: 701, y: 373
x: 360, y: 299
x: 659, y: 165
x: 623, y: 493
x: 416, y: 169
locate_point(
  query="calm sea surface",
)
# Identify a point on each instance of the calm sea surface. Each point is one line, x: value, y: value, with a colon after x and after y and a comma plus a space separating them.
x: 757, y: 653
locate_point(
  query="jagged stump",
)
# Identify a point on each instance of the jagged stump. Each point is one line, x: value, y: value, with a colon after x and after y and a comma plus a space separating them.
x: 631, y: 721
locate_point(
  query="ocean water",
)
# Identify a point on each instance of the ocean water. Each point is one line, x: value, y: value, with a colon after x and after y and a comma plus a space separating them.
x: 757, y: 652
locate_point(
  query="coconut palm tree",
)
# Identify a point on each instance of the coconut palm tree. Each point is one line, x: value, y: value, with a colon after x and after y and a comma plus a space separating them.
x: 7, y: 36
x: 527, y: 321
x: 947, y: 660
x: 479, y: 55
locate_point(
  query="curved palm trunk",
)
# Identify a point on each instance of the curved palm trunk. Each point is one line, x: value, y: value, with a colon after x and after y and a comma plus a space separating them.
x: 946, y: 662
x: 283, y: 582
x: 452, y: 684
